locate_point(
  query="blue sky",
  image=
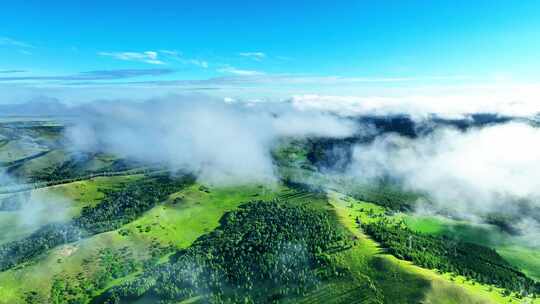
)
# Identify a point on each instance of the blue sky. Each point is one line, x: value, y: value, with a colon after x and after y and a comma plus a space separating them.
x: 264, y: 48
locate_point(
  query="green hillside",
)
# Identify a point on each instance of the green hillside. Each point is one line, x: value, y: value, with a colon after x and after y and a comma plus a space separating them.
x: 94, y: 228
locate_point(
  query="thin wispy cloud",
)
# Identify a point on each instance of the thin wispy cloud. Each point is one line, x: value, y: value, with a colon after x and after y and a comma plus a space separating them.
x: 11, y: 71
x: 6, y: 41
x: 170, y: 52
x: 156, y: 57
x: 94, y: 75
x: 150, y: 57
x: 127, y: 73
x: 177, y: 56
x: 200, y: 63
x: 239, y: 72
x: 258, y: 56
x: 240, y: 77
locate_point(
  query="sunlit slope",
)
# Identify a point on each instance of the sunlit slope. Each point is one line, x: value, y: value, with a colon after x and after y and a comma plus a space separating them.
x: 173, y: 225
x: 54, y: 204
x: 511, y: 247
x: 436, y: 288
x: 87, y: 268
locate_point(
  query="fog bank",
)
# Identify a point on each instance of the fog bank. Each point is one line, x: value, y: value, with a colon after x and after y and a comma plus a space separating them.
x: 222, y: 142
x: 471, y: 173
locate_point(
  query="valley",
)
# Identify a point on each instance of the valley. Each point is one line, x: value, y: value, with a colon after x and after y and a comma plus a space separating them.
x: 95, y: 228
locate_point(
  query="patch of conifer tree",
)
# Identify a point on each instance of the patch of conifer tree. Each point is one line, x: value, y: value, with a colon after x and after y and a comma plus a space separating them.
x: 260, y: 253
x: 116, y: 209
x: 477, y: 262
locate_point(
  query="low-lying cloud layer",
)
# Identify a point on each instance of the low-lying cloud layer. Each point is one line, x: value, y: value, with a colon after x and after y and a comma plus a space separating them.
x: 521, y: 102
x: 473, y: 173
x: 89, y: 75
x: 226, y: 143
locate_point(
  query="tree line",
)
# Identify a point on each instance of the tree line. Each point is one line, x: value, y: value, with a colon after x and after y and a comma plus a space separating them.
x: 473, y: 261
x: 116, y: 209
x: 260, y: 253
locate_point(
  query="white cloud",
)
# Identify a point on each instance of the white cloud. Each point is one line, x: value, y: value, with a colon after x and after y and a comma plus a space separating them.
x: 472, y: 172
x: 521, y: 102
x: 221, y: 141
x: 235, y: 71
x: 170, y: 52
x: 150, y: 57
x: 12, y: 42
x: 177, y: 56
x: 258, y: 56
x: 200, y: 63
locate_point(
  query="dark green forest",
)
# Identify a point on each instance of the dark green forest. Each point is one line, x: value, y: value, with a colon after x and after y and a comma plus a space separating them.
x: 261, y: 253
x: 473, y: 261
x: 116, y: 209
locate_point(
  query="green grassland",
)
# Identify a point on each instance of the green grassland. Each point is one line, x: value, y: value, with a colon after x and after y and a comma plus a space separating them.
x: 55, y: 204
x: 175, y: 224
x: 192, y: 212
x: 380, y: 278
x: 252, y: 254
x: 59, y: 164
x: 524, y: 257
x: 292, y: 154
x: 403, y: 281
x: 294, y: 166
x: 13, y: 150
x: 383, y: 194
x: 196, y: 210
x: 178, y: 222
x: 31, y: 166
x: 33, y: 151
x: 23, y: 139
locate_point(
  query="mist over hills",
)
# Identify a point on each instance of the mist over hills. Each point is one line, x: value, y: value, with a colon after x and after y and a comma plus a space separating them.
x: 180, y: 132
x: 477, y: 168
x: 280, y: 152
